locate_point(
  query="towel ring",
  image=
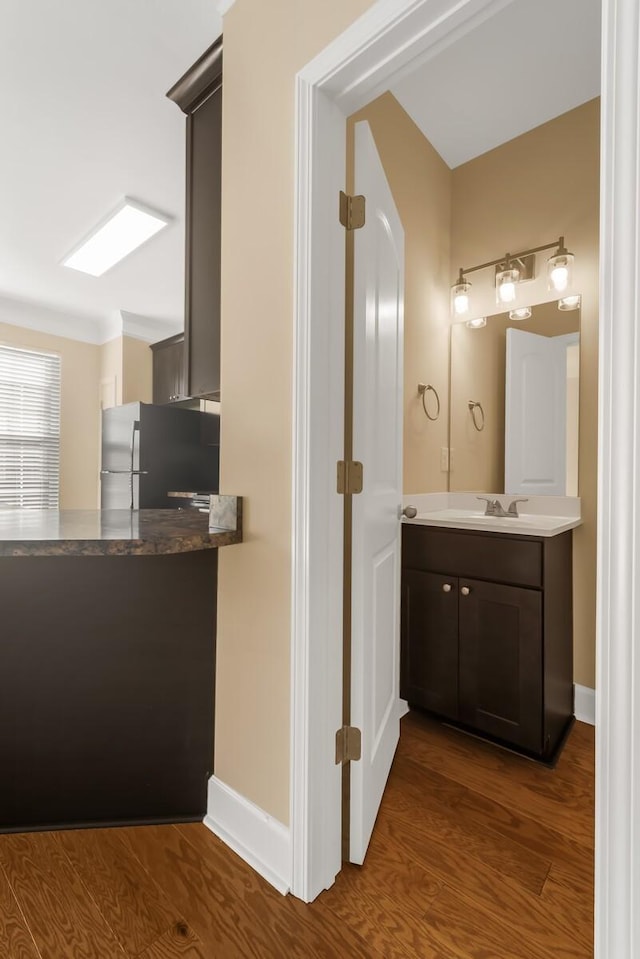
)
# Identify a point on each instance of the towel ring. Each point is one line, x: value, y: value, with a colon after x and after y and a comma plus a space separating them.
x: 422, y: 390
x: 473, y: 406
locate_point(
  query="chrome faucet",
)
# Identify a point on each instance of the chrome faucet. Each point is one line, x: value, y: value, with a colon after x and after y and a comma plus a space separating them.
x: 495, y: 508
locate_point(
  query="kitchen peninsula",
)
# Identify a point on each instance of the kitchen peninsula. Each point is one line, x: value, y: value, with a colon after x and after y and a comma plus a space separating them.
x: 107, y: 664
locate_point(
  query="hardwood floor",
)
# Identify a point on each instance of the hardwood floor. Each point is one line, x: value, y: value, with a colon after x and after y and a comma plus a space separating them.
x: 477, y: 854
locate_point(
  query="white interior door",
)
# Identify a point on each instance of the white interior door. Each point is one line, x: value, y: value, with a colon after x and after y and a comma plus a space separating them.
x: 377, y: 442
x: 536, y: 414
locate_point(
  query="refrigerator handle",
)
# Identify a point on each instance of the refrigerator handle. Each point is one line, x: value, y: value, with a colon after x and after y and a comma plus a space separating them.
x: 134, y: 429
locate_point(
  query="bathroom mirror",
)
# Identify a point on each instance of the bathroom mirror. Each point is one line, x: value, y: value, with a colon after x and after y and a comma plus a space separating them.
x: 514, y: 404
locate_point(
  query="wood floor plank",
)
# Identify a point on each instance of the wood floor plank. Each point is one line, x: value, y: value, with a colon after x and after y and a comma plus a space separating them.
x: 288, y: 927
x: 64, y: 921
x: 366, y: 903
x: 467, y: 930
x: 489, y: 816
x: 126, y: 895
x: 494, y: 772
x: 15, y: 939
x: 179, y: 942
x: 426, y: 817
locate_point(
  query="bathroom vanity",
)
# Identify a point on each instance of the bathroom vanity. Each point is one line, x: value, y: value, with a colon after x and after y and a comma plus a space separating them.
x: 487, y: 637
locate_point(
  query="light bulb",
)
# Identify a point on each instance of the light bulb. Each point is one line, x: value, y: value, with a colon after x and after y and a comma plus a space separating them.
x: 523, y: 313
x: 559, y: 271
x: 477, y: 323
x: 569, y: 302
x: 506, y: 285
x: 460, y: 300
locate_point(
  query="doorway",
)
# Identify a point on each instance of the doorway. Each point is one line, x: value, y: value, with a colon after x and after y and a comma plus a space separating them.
x: 345, y: 76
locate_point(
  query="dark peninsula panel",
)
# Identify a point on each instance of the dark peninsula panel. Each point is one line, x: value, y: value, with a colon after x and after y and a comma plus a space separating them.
x: 106, y: 688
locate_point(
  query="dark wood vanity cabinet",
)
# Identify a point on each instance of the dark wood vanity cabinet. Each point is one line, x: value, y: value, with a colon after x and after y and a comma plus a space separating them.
x: 169, y: 370
x: 487, y: 633
x: 199, y: 95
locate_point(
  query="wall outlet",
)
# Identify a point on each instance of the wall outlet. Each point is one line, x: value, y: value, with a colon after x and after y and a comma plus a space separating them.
x: 444, y: 459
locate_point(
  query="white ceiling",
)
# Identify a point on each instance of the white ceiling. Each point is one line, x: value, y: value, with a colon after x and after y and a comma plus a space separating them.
x: 531, y: 62
x: 85, y: 121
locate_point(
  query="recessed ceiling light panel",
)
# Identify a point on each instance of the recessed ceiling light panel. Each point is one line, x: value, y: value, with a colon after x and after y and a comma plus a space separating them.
x: 127, y: 228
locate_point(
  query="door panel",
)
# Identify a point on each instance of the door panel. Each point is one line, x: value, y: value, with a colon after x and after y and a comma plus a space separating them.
x: 536, y: 414
x: 377, y: 442
x: 501, y: 661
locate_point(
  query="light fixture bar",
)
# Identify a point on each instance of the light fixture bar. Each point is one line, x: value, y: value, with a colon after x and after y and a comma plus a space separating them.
x: 559, y: 243
x: 129, y: 226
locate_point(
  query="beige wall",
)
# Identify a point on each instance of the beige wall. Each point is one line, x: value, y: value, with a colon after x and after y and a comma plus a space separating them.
x: 525, y: 193
x: 125, y: 371
x: 137, y: 371
x: 79, y: 418
x: 254, y: 622
x: 421, y: 185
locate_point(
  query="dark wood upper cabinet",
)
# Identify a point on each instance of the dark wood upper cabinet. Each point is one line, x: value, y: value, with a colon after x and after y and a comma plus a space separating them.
x: 199, y: 95
x: 169, y: 370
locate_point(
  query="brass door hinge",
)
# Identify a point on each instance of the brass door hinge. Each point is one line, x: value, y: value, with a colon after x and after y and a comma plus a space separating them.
x: 352, y: 211
x: 350, y: 476
x: 348, y: 745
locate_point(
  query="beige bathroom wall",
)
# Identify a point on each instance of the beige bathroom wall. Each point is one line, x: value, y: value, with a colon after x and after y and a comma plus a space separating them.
x: 254, y: 605
x: 523, y: 194
x: 79, y: 420
x: 420, y: 182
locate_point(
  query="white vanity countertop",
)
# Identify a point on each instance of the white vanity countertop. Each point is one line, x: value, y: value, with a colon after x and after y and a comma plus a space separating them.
x: 540, y: 516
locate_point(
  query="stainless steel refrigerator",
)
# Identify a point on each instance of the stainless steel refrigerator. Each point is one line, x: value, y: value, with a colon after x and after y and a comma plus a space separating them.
x: 149, y: 451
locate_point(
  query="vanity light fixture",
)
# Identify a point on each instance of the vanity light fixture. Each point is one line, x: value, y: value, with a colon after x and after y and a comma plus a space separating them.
x: 510, y: 271
x: 569, y: 302
x: 460, y: 297
x: 522, y: 313
x: 129, y: 226
x: 477, y: 323
x: 559, y: 269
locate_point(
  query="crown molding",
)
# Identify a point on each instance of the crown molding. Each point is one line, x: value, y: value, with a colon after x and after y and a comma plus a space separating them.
x: 147, y: 328
x: 45, y: 319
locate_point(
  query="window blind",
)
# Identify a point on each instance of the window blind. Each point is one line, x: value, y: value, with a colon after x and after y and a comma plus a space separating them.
x: 29, y: 428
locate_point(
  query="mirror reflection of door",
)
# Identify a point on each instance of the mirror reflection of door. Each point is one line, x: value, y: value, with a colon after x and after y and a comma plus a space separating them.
x: 540, y: 438
x: 478, y: 373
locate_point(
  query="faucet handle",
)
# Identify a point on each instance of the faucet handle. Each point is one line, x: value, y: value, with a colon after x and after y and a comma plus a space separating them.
x: 513, y: 509
x: 491, y: 505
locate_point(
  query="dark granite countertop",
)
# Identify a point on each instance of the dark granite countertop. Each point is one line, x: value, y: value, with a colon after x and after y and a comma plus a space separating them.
x: 109, y: 532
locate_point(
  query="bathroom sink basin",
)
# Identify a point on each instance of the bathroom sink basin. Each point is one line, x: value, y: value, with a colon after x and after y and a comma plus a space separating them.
x: 526, y: 524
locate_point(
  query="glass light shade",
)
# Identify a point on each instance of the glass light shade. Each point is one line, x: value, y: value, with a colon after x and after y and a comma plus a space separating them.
x: 523, y: 313
x: 559, y: 271
x: 569, y: 303
x: 506, y: 282
x: 477, y: 323
x: 460, y: 301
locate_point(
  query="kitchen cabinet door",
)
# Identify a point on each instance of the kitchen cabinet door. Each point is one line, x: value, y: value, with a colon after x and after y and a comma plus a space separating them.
x: 500, y: 661
x: 429, y: 641
x: 168, y: 370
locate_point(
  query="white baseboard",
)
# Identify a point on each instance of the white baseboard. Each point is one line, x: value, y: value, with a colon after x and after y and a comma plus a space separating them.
x: 584, y: 704
x: 253, y: 834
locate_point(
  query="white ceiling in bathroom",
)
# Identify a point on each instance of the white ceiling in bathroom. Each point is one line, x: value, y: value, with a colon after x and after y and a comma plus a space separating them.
x: 85, y: 121
x: 529, y: 63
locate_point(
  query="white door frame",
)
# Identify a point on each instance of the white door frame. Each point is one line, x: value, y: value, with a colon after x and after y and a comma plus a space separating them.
x: 358, y: 66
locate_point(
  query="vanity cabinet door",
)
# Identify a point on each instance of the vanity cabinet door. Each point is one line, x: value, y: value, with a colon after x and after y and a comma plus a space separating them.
x: 429, y: 641
x: 500, y: 666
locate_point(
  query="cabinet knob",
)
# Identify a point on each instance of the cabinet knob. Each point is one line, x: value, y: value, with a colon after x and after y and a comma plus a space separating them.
x: 446, y: 588
x: 465, y: 590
